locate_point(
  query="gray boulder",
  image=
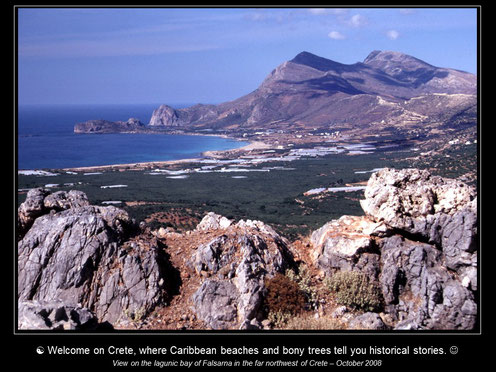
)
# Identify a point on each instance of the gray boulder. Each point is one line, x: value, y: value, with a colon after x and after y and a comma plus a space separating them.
x: 418, y: 239
x: 79, y: 256
x: 421, y: 290
x: 348, y: 243
x: 55, y: 315
x: 236, y: 263
x: 367, y: 321
x: 216, y: 303
x: 39, y: 202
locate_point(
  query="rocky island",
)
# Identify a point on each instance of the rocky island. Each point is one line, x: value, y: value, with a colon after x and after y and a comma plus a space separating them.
x: 132, y: 125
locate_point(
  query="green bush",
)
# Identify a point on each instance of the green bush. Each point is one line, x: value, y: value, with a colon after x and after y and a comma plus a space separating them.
x: 304, y: 280
x: 354, y: 289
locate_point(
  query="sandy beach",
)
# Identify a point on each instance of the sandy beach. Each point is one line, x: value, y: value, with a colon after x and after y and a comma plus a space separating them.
x: 256, y: 145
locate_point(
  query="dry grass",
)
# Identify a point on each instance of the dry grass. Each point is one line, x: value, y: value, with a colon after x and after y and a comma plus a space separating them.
x: 309, y: 322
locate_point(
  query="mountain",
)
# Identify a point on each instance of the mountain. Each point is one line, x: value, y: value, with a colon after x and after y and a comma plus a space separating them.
x: 386, y: 90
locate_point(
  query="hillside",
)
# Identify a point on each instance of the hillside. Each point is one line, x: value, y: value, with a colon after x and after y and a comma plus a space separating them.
x: 387, y: 92
x: 409, y: 263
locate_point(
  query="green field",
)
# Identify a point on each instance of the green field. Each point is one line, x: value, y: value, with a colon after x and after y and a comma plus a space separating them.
x: 275, y: 197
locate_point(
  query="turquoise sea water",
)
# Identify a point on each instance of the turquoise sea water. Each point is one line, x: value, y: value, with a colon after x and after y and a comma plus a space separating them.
x: 45, y: 138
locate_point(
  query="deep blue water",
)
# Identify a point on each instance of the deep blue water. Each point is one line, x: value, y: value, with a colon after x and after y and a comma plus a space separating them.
x: 46, y: 138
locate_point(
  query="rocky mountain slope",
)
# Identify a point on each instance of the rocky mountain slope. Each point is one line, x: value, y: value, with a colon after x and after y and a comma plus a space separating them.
x: 411, y: 262
x: 387, y: 89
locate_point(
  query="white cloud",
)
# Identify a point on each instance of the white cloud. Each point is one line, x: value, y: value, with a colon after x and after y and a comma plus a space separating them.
x: 106, y: 48
x: 357, y: 20
x: 392, y: 34
x: 336, y: 35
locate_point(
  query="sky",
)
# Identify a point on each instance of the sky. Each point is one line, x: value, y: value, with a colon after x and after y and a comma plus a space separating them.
x: 213, y: 55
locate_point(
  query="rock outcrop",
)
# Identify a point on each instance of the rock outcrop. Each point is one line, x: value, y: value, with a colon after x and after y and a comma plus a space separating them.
x: 40, y: 201
x: 213, y: 221
x: 132, y: 125
x: 429, y: 208
x: 418, y: 240
x: 81, y: 265
x: 236, y: 262
x: 80, y: 256
x: 348, y: 243
x: 55, y: 315
x: 164, y: 116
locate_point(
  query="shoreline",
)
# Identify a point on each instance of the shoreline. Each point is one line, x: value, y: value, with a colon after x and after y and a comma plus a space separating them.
x: 252, y: 145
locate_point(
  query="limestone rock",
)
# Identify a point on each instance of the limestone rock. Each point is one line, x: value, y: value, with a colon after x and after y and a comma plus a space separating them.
x: 418, y: 239
x: 347, y: 244
x: 213, y: 221
x: 237, y: 261
x: 417, y: 202
x: 78, y: 256
x: 368, y: 321
x: 164, y: 116
x: 216, y: 303
x: 55, y: 315
x: 422, y: 290
x: 440, y: 211
x: 39, y: 202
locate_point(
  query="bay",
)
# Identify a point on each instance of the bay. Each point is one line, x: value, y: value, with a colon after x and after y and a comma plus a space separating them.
x: 45, y: 138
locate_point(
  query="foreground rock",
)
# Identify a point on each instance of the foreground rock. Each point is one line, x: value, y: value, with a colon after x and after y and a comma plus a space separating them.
x: 55, y: 315
x: 418, y: 241
x: 236, y: 262
x: 39, y: 202
x: 436, y: 210
x: 81, y: 265
x: 419, y: 291
x: 79, y: 256
x: 349, y: 243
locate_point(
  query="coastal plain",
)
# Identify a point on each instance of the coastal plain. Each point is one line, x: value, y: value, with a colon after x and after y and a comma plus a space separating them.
x: 295, y: 189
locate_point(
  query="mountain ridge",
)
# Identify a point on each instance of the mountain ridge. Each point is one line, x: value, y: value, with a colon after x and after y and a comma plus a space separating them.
x: 310, y: 92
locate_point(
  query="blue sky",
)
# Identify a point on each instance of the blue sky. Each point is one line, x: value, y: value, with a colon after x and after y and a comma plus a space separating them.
x: 209, y: 55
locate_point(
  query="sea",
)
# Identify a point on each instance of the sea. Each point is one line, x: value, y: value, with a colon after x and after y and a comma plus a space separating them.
x: 46, y: 140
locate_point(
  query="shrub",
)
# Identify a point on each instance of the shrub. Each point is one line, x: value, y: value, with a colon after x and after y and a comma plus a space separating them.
x: 283, y: 297
x: 353, y: 289
x: 304, y: 280
x: 279, y: 319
